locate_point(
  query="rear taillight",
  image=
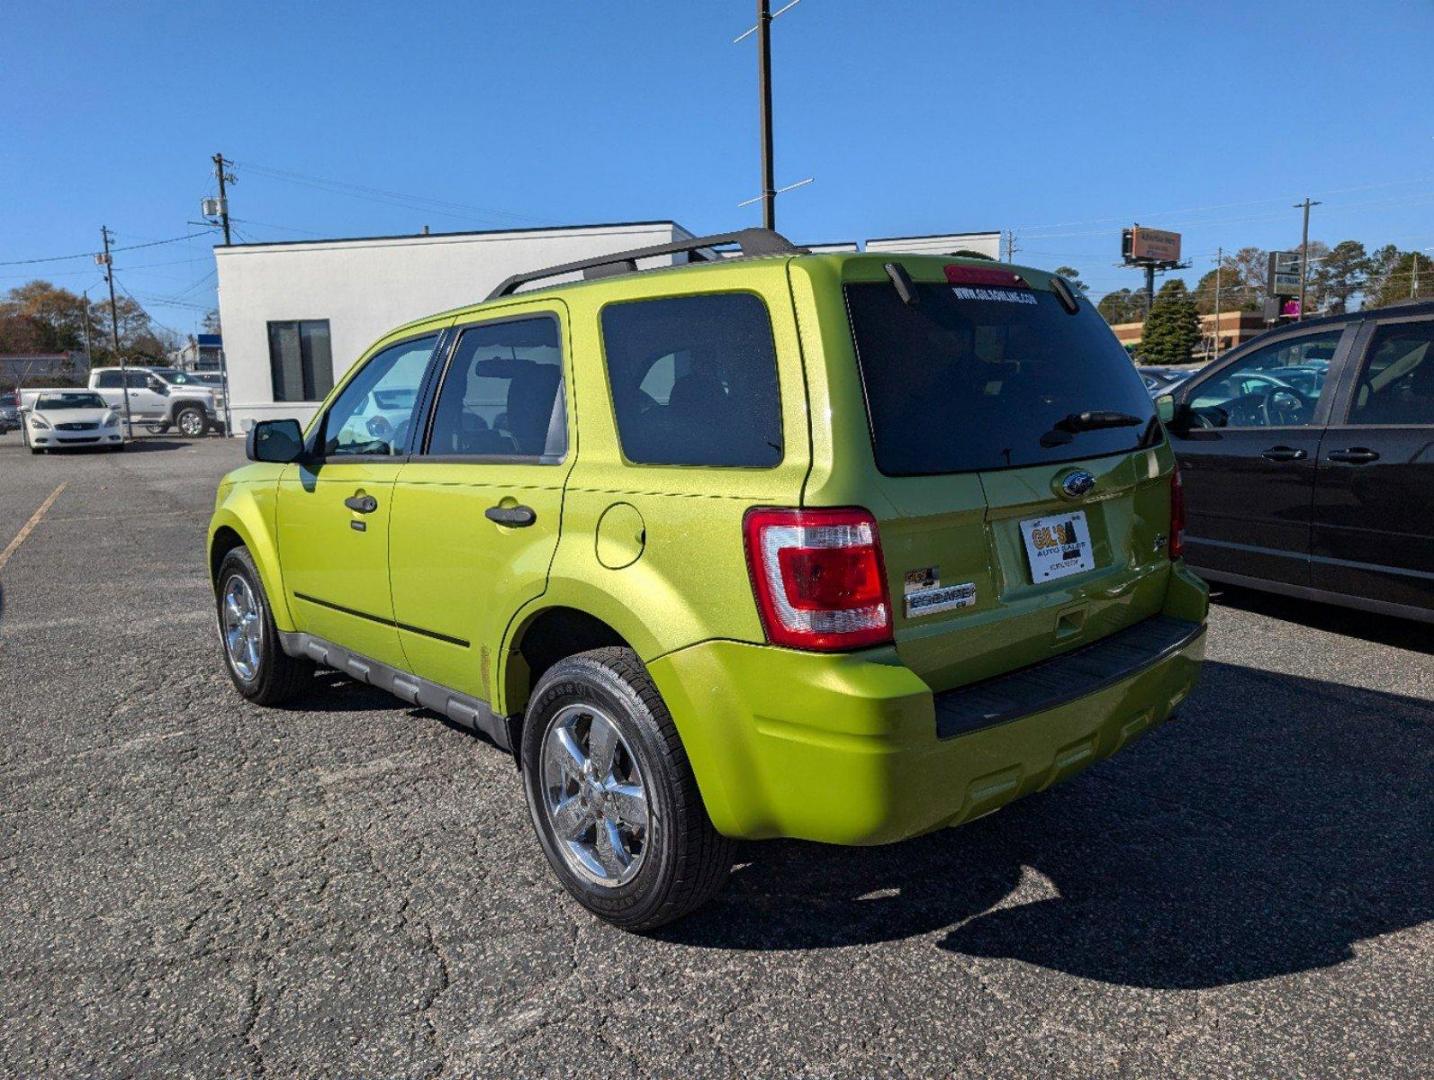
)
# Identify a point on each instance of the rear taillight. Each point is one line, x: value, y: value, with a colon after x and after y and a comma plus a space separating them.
x: 1177, y: 514
x: 818, y: 577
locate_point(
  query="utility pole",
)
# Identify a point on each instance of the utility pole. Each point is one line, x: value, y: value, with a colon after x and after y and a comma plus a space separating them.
x: 89, y: 360
x: 114, y: 328
x: 1414, y: 281
x: 1219, y: 260
x: 221, y: 176
x: 1010, y: 245
x: 764, y: 79
x: 1304, y: 254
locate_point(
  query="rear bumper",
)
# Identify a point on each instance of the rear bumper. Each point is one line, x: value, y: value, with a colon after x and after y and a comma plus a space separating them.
x: 846, y: 749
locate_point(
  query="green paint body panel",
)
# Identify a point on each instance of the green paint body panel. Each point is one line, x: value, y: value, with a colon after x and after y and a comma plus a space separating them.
x: 833, y: 747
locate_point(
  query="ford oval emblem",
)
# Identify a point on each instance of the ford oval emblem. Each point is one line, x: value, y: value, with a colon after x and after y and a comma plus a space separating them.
x: 1076, y: 484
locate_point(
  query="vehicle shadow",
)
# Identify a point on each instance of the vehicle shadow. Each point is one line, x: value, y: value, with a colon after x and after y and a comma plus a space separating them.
x: 1277, y: 822
x: 1380, y: 629
x: 143, y: 444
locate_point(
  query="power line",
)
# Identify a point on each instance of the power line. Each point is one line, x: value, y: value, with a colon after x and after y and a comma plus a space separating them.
x: 91, y: 254
x: 443, y: 207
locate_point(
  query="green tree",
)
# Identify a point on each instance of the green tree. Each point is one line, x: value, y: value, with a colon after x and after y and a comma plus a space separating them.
x: 1234, y: 296
x: 1398, y: 279
x: 1122, y: 306
x: 1071, y: 274
x: 967, y: 253
x: 1339, y: 275
x: 1173, y: 329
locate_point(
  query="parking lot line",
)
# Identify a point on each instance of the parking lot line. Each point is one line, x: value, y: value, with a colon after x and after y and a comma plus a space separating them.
x: 14, y: 544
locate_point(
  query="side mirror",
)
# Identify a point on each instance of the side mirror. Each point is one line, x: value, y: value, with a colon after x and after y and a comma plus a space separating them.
x: 278, y: 441
x: 158, y: 387
x: 1165, y: 408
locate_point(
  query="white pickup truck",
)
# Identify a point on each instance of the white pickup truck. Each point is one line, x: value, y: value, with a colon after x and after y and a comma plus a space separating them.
x: 159, y: 398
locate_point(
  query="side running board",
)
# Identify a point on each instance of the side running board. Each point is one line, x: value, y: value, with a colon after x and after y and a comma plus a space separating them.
x: 463, y: 710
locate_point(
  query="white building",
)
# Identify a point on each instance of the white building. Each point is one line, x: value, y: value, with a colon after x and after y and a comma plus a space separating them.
x: 297, y: 315
x: 982, y: 243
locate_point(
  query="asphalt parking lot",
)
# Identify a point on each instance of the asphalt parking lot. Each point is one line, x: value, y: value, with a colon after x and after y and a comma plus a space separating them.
x: 195, y: 886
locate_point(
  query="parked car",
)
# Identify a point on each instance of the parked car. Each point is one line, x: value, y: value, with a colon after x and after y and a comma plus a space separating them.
x: 9, y: 412
x: 160, y: 398
x: 1308, y: 464
x: 839, y: 547
x: 60, y: 419
x: 1161, y: 380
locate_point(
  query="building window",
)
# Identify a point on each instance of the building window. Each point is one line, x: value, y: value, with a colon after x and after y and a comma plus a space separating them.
x: 300, y: 360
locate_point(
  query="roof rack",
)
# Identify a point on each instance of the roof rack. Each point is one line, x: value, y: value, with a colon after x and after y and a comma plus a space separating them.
x: 750, y: 241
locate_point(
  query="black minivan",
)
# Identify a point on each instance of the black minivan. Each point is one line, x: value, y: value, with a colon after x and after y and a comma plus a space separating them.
x: 1307, y: 457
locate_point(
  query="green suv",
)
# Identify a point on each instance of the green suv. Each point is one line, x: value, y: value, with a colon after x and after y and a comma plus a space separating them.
x: 841, y: 547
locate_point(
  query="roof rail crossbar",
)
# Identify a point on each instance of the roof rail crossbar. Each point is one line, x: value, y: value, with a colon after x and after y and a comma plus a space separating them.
x: 750, y: 241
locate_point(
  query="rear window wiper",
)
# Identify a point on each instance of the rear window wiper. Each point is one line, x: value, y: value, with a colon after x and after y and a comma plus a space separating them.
x: 1073, y: 423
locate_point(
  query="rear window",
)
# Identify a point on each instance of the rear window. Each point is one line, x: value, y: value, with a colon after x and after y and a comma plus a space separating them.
x: 973, y: 378
x: 694, y: 381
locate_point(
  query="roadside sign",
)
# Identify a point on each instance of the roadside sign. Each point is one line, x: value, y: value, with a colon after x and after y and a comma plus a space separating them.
x: 1283, y: 278
x: 1150, y: 245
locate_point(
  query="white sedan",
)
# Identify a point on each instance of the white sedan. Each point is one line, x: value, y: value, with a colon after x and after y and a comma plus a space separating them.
x: 63, y: 418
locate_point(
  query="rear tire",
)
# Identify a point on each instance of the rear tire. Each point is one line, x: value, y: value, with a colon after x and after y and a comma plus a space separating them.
x: 639, y: 878
x: 258, y: 666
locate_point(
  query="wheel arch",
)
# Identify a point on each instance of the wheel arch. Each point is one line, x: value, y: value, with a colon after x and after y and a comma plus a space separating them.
x: 542, y: 637
x: 243, y: 520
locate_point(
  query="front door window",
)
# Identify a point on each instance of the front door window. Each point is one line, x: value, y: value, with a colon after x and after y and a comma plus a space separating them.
x: 373, y: 414
x: 1280, y: 385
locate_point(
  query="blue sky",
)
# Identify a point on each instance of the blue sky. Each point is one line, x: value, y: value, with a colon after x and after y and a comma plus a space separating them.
x: 1061, y: 121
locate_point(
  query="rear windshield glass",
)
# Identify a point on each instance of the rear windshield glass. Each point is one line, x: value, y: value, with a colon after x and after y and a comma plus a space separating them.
x: 70, y: 401
x: 974, y: 378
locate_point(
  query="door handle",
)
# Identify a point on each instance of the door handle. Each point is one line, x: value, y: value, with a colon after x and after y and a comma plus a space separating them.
x: 514, y: 517
x: 1355, y: 455
x: 361, y: 504
x: 1284, y: 453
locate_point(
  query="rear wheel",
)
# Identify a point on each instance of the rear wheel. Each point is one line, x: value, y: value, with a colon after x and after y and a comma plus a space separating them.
x: 191, y: 421
x: 260, y: 669
x: 612, y: 795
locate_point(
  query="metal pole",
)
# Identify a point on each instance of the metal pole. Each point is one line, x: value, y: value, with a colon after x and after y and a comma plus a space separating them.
x: 764, y: 78
x: 223, y: 198
x: 1304, y: 254
x: 1149, y: 288
x: 89, y: 360
x: 1219, y: 258
x: 1414, y: 281
x: 114, y: 331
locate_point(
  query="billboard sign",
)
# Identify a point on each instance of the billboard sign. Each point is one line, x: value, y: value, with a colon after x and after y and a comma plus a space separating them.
x: 1143, y: 245
x: 1283, y: 278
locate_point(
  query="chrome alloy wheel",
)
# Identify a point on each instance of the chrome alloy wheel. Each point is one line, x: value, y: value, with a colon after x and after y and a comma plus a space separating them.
x: 241, y: 627
x: 594, y: 796
x: 191, y: 423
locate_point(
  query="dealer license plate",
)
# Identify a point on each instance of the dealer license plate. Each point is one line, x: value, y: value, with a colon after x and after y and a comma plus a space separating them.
x: 1057, y: 546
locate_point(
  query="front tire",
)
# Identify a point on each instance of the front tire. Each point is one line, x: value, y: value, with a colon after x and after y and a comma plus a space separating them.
x: 191, y: 421
x: 612, y: 795
x: 259, y: 668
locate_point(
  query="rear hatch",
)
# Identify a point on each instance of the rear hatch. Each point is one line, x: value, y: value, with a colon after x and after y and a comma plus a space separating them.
x: 1018, y: 457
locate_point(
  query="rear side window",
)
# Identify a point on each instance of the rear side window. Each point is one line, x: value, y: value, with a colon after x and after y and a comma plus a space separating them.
x: 971, y: 379
x: 694, y: 381
x: 503, y: 394
x: 1396, y: 385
